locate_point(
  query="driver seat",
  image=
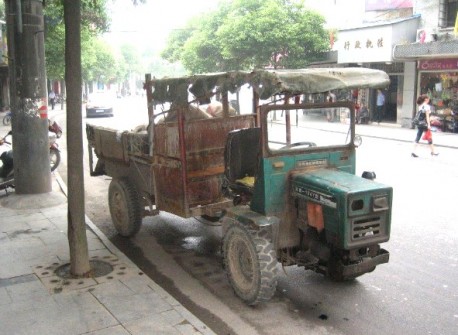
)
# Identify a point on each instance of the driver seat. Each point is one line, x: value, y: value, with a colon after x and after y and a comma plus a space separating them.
x: 241, y: 158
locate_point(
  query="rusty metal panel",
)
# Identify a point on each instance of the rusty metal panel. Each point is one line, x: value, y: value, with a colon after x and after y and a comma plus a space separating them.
x: 212, y: 133
x: 166, y: 140
x: 170, y: 191
x: 205, y: 191
x: 204, y: 143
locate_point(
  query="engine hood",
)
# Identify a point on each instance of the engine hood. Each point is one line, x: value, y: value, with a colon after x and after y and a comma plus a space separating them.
x: 332, y: 182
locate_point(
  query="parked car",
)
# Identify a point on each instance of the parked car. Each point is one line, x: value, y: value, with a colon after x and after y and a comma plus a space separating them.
x: 99, y: 104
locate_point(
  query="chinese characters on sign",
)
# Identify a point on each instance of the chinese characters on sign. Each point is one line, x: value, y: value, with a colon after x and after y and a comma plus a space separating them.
x: 369, y: 44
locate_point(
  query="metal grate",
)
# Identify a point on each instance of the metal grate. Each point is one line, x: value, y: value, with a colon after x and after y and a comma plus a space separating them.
x: 366, y: 228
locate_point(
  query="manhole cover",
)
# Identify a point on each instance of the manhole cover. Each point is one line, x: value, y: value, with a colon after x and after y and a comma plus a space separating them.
x: 99, y: 269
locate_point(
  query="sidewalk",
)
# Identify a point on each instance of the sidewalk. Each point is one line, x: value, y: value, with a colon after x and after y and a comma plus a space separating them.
x: 394, y: 132
x: 33, y: 300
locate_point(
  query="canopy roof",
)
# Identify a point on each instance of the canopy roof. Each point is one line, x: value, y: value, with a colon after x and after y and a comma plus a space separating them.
x: 267, y: 83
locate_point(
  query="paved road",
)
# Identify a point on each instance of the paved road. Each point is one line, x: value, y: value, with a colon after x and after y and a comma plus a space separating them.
x: 416, y: 293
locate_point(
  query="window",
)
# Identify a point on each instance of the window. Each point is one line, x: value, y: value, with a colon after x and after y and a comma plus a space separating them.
x: 451, y: 12
x: 314, y: 128
x: 447, y: 13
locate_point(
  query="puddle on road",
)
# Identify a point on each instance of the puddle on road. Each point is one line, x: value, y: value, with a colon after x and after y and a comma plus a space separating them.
x: 200, y: 244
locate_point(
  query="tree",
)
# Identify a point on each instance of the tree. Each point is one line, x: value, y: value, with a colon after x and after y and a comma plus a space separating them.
x: 79, y: 257
x: 94, y: 21
x: 197, y: 46
x: 243, y: 34
x: 102, y: 67
x: 79, y: 254
x: 2, y: 10
x: 130, y: 58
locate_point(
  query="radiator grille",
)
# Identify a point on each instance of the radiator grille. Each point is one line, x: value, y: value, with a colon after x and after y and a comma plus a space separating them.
x: 366, y: 228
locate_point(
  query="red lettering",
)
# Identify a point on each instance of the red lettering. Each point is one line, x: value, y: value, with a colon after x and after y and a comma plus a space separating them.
x: 442, y: 64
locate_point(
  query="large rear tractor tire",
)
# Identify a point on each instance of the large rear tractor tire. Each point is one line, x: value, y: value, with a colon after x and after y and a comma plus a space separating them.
x: 251, y: 263
x: 125, y: 207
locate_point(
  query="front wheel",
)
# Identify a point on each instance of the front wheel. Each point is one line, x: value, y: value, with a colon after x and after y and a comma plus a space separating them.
x: 125, y: 207
x: 7, y: 120
x: 251, y: 264
x: 54, y: 158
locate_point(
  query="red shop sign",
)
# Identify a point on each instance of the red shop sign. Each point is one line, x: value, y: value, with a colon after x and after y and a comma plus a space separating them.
x: 438, y: 64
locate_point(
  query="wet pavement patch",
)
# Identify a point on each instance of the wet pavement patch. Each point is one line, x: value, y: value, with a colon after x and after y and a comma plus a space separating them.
x: 4, y: 282
x: 16, y: 233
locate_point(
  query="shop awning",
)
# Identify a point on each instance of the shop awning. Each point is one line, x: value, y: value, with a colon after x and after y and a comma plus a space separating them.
x: 435, y: 49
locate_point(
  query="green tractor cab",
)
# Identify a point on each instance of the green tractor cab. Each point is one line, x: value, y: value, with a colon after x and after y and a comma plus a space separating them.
x: 297, y: 200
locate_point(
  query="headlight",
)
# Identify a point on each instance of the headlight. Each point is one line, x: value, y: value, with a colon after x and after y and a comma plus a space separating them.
x: 380, y: 203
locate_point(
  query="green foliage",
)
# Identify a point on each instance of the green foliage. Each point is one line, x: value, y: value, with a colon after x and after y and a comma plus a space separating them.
x: 131, y: 58
x: 244, y: 34
x: 94, y: 21
x: 159, y: 66
x: 2, y: 10
x: 102, y: 63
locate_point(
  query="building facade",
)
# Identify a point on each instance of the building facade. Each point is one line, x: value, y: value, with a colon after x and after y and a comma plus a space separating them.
x: 415, y: 42
x: 432, y: 60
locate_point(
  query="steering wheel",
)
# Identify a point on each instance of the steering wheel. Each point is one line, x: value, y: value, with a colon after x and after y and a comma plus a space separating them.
x: 299, y: 144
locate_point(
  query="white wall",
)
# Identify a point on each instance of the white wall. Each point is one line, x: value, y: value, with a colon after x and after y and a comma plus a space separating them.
x: 408, y: 108
x: 429, y: 10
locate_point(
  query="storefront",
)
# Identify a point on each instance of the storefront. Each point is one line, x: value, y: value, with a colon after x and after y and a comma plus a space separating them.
x: 438, y: 78
x: 372, y: 46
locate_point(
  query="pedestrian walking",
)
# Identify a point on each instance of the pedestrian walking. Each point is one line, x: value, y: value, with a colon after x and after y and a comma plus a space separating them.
x: 380, y: 105
x: 424, y: 110
x: 331, y: 114
x: 52, y: 99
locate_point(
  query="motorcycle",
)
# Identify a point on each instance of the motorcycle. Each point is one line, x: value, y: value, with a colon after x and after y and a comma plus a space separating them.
x: 54, y: 132
x: 6, y: 170
x: 7, y: 167
x: 7, y: 119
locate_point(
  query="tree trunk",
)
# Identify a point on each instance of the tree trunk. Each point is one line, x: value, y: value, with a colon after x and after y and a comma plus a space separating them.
x: 79, y: 255
x: 32, y: 174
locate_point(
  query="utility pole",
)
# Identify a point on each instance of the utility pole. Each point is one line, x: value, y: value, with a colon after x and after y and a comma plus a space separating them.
x: 28, y: 94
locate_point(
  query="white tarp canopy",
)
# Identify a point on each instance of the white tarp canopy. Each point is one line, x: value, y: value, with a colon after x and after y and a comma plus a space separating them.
x: 268, y: 83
